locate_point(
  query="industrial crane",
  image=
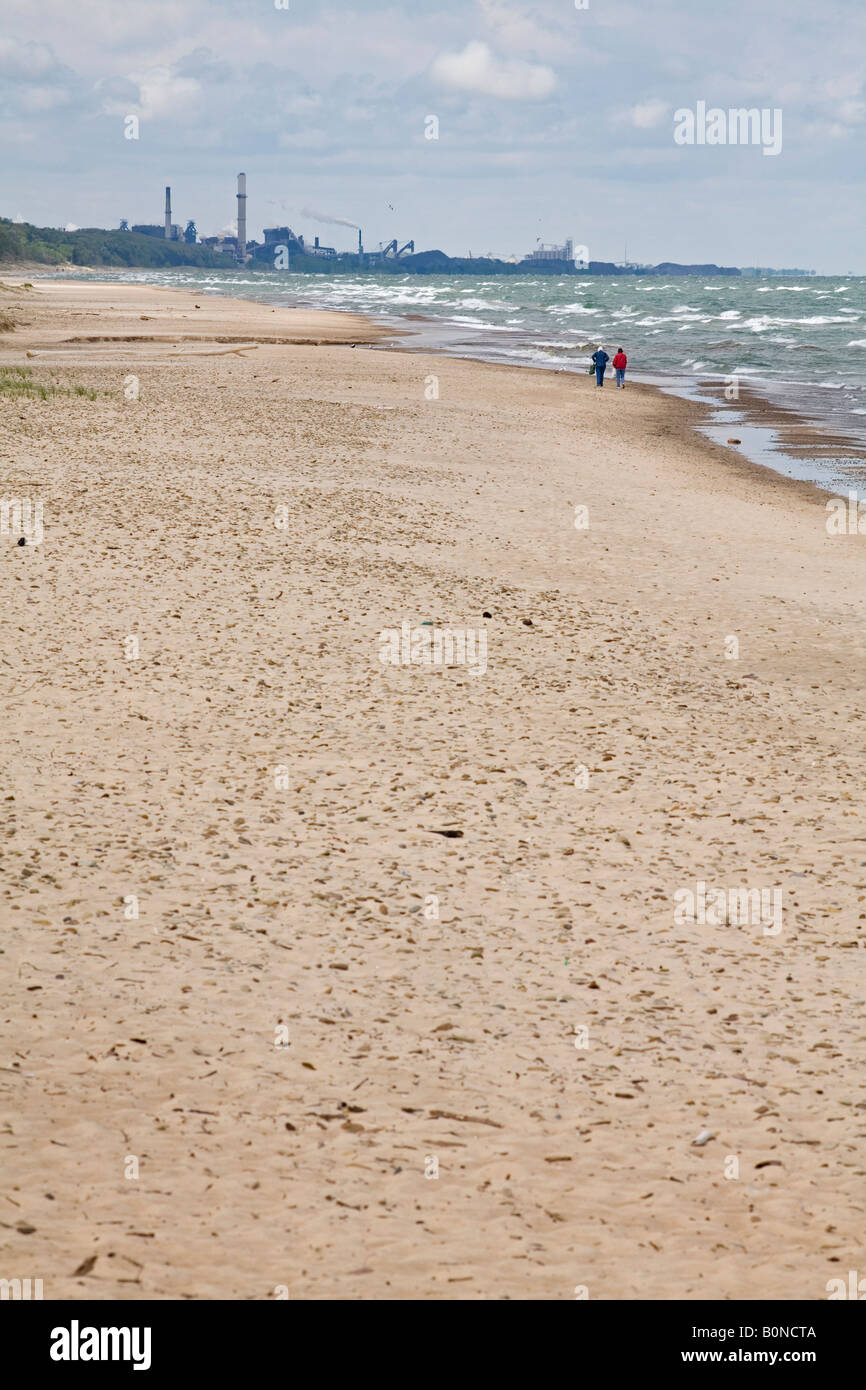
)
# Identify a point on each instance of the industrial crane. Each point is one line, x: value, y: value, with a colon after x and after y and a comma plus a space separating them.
x: 391, y: 248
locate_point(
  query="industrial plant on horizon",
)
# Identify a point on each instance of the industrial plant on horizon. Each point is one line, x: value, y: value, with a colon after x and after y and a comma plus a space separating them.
x: 238, y: 249
x: 242, y: 251
x: 283, y: 249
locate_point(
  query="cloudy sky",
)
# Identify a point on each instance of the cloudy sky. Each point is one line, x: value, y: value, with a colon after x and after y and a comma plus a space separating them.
x: 553, y: 121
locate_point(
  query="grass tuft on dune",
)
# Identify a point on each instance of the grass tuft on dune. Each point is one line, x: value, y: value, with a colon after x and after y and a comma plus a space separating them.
x: 19, y: 381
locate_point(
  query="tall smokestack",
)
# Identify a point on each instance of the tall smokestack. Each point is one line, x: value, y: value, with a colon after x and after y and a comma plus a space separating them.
x: 360, y: 243
x: 242, y: 217
x: 167, y: 213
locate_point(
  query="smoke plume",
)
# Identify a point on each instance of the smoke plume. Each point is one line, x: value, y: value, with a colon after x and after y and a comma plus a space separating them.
x: 326, y: 217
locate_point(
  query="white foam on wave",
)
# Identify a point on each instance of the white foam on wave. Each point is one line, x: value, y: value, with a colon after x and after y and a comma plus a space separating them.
x: 651, y: 321
x: 765, y: 321
x: 480, y: 304
x: 529, y: 354
x: 477, y: 323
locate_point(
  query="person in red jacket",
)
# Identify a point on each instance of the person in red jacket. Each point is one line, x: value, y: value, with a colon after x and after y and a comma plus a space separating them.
x: 620, y: 362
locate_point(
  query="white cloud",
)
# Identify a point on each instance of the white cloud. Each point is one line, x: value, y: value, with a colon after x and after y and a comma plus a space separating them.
x: 518, y: 32
x: 303, y: 140
x: 300, y: 104
x: 846, y: 85
x: 844, y: 104
x: 25, y: 60
x: 649, y: 113
x: 42, y: 98
x: 851, y: 112
x: 477, y: 69
x: 162, y: 93
x: 357, y: 112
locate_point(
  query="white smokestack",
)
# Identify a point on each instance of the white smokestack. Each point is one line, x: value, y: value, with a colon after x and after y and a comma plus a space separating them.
x: 242, y: 217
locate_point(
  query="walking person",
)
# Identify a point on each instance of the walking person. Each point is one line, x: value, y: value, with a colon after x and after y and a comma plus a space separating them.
x: 620, y: 362
x: 600, y: 360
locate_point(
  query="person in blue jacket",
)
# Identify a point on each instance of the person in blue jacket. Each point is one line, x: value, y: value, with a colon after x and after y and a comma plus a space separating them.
x: 600, y: 359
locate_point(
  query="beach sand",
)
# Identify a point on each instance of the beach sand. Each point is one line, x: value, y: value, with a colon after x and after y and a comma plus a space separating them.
x: 266, y: 795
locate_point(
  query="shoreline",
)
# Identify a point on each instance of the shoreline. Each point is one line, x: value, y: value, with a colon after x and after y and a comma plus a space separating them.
x: 799, y: 437
x: 779, y: 436
x: 225, y: 840
x: 367, y: 331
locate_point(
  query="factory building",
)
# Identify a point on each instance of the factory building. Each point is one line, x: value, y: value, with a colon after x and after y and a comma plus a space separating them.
x: 284, y: 236
x: 274, y: 238
x: 543, y: 253
x: 296, y: 245
x: 229, y: 244
x: 147, y: 229
x: 279, y: 236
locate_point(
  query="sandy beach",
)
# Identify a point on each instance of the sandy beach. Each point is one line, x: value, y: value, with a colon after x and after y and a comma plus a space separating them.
x: 325, y: 978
